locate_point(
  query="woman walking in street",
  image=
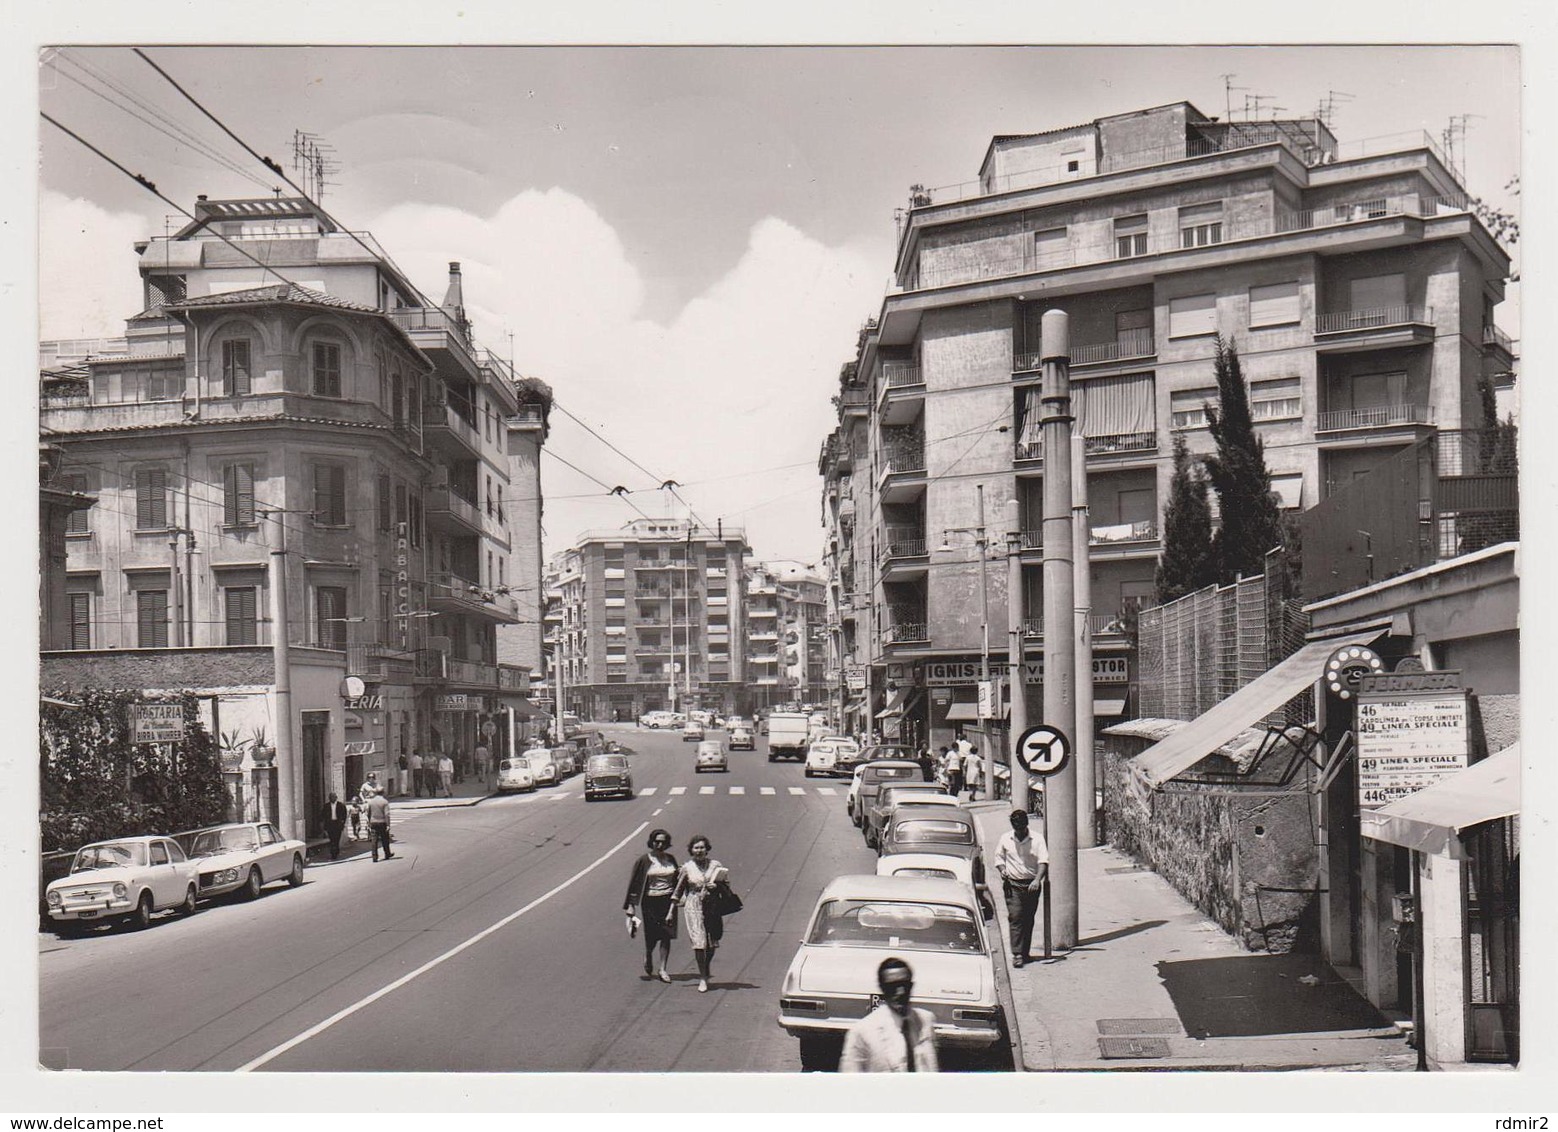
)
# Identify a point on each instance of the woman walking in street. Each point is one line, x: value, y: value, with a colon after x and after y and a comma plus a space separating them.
x: 649, y: 901
x: 693, y: 884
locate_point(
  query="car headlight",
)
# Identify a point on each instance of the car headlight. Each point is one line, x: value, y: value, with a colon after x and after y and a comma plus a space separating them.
x: 55, y: 900
x: 120, y: 891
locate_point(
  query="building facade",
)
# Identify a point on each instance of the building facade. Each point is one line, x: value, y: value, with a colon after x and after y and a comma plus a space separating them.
x: 301, y: 472
x: 649, y: 616
x: 1355, y: 282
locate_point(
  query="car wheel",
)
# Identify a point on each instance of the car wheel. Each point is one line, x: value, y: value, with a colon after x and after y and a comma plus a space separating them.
x: 295, y: 877
x: 251, y: 887
x: 820, y: 1054
x: 188, y: 907
x: 141, y: 917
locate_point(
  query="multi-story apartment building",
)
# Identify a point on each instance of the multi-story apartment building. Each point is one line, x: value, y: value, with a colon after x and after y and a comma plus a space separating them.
x: 648, y: 614
x: 803, y: 629
x: 1356, y: 283
x: 768, y: 608
x: 311, y: 427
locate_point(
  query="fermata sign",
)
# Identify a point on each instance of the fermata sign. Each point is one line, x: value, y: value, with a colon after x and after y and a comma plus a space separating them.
x: 156, y: 723
x: 1408, y: 742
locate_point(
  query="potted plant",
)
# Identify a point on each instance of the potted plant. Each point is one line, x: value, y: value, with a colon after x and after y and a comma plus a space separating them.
x: 263, y: 752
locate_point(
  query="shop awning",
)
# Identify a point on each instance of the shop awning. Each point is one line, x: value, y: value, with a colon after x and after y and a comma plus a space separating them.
x: 895, y: 703
x: 969, y: 713
x: 854, y: 706
x: 1431, y: 820
x: 523, y: 707
x: 1171, y: 757
x: 1108, y: 708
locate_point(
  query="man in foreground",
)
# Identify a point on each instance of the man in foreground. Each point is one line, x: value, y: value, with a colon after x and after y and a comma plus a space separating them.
x: 896, y: 1037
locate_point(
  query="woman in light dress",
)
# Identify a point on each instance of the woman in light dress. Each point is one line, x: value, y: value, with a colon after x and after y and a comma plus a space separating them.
x: 693, y: 883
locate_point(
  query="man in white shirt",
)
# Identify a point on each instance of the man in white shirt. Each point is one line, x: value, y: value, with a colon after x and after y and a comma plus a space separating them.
x: 1022, y: 859
x: 896, y: 1037
x: 973, y: 771
x: 952, y: 767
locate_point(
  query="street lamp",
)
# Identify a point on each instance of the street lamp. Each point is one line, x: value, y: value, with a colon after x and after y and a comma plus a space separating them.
x: 982, y: 544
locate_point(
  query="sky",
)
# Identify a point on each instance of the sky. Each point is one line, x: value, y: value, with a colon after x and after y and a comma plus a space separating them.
x: 683, y: 242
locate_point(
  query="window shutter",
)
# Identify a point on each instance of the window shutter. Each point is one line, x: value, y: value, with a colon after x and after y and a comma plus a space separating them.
x: 241, y: 618
x: 402, y: 513
x: 235, y: 367
x: 151, y: 608
x: 1192, y: 314
x: 1379, y: 292
x: 330, y: 494
x: 386, y: 522
x: 151, y: 499
x: 238, y: 495
x: 77, y: 522
x: 1274, y: 305
x: 81, y: 621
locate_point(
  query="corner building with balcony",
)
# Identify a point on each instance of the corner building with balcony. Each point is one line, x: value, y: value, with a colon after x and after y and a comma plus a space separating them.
x: 1355, y: 282
x: 651, y: 616
x: 324, y: 432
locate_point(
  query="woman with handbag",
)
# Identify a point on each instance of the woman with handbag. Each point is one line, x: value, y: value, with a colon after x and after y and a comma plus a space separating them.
x: 649, y: 901
x: 699, y: 885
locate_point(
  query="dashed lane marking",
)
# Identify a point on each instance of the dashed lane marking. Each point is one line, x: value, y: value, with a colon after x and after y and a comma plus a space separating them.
x: 647, y: 791
x: 705, y: 789
x: 678, y: 790
x: 765, y: 789
x: 738, y: 789
x: 828, y: 790
x: 797, y: 790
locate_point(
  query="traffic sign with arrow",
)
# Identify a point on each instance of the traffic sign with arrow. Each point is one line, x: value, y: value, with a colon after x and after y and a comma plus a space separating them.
x: 1043, y: 750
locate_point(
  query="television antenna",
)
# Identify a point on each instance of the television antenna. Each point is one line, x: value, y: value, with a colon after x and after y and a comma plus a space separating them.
x: 1228, y: 89
x: 1454, y: 139
x: 1326, y: 111
x: 314, y: 160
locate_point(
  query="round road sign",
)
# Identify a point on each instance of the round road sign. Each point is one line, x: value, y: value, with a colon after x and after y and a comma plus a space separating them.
x: 1043, y: 749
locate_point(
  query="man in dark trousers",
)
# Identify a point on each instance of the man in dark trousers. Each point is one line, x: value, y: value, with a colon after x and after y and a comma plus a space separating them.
x: 378, y: 826
x: 1022, y: 859
x: 335, y: 823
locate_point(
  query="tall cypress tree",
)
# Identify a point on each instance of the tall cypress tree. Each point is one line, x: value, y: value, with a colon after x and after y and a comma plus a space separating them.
x: 1251, y: 522
x: 1186, y: 564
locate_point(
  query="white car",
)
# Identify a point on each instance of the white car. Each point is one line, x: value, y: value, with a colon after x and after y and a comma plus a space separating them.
x: 741, y: 739
x: 515, y: 774
x: 692, y: 731
x: 941, y: 865
x: 820, y: 757
x: 543, y: 769
x: 245, y: 856
x: 655, y: 720
x: 126, y: 879
x: 932, y: 923
x: 711, y: 756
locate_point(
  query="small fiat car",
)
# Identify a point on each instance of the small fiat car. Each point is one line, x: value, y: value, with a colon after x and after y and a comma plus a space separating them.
x: 515, y: 774
x: 932, y: 923
x: 820, y: 757
x: 543, y: 769
x: 607, y: 776
x: 741, y: 739
x: 124, y: 880
x: 711, y: 756
x: 245, y: 857
x: 692, y: 731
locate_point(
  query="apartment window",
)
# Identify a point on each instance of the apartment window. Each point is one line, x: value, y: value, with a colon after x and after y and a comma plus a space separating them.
x: 80, y: 620
x: 1115, y: 406
x: 1200, y: 225
x: 492, y: 507
x: 1051, y: 246
x: 1191, y: 315
x: 1274, y: 305
x: 1130, y: 236
x: 238, y: 495
x: 1276, y: 400
x: 1378, y: 390
x: 1378, y: 293
x: 162, y: 385
x: 77, y: 522
x: 151, y: 619
x: 241, y: 610
x: 1138, y: 505
x: 330, y: 617
x: 1289, y: 490
x: 327, y: 369
x: 330, y: 495
x: 235, y: 367
x: 402, y: 504
x: 151, y: 499
x: 1188, y: 407
x: 398, y: 398
x: 415, y: 525
x: 386, y: 516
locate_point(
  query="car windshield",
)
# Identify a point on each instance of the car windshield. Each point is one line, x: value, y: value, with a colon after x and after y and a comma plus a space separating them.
x: 883, y: 773
x: 605, y: 764
x: 112, y: 855
x: 512, y: 764
x: 896, y: 924
x: 892, y: 795
x: 923, y: 871
x: 708, y: 748
x: 214, y: 841
x: 941, y: 831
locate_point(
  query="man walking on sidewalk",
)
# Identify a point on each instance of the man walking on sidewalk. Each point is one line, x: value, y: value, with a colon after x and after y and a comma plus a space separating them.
x: 1022, y: 859
x: 952, y: 767
x: 378, y: 826
x: 445, y: 774
x: 415, y: 761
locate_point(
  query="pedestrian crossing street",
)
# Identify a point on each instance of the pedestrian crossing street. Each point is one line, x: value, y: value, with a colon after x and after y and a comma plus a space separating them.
x: 676, y: 792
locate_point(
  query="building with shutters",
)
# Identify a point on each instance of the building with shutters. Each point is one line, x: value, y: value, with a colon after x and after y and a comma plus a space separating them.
x: 316, y: 425
x: 1354, y: 279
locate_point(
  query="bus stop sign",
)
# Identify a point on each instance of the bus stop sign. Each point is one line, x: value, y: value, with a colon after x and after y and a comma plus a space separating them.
x: 1043, y: 750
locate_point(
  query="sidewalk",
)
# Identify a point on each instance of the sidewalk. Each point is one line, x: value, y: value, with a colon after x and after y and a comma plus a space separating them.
x: 1155, y: 985
x: 466, y: 793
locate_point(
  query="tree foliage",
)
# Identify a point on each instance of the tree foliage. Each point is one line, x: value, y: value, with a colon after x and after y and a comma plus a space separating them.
x: 1251, y: 522
x: 1186, y: 563
x: 95, y: 783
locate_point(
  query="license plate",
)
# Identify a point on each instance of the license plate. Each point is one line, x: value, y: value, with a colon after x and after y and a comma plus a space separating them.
x: 87, y: 914
x: 876, y: 1000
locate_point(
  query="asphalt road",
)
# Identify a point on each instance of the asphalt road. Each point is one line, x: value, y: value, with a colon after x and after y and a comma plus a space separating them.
x: 494, y: 942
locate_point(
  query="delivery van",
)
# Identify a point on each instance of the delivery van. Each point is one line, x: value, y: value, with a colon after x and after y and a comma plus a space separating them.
x: 788, y: 735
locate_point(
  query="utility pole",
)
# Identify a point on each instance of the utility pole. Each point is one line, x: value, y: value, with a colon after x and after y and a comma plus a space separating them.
x: 1060, y: 790
x: 1082, y: 586
x: 1014, y: 657
x: 288, y: 812
x: 984, y: 630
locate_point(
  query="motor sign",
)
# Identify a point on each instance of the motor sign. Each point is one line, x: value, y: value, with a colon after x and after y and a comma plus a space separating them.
x: 1043, y: 750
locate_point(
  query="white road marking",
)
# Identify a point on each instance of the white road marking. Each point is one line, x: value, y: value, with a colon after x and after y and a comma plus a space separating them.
x: 797, y: 790
x: 675, y: 790
x: 647, y: 791
x: 738, y: 789
x: 828, y: 790
x: 705, y: 789
x: 559, y: 797
x: 765, y: 789
x: 347, y: 1012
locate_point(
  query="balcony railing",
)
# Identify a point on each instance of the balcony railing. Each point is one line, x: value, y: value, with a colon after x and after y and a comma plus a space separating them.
x: 1033, y: 539
x: 376, y: 660
x: 526, y: 415
x: 1144, y: 531
x: 1111, y: 444
x: 1383, y: 416
x: 458, y: 671
x: 445, y: 500
x: 905, y: 632
x: 1033, y: 626
x: 903, y: 460
x: 1493, y: 336
x: 512, y: 679
x: 903, y: 542
x: 855, y: 399
x: 899, y: 374
x: 1338, y: 322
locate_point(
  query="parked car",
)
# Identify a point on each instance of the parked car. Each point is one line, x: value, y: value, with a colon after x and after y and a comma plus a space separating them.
x: 706, y: 718
x: 692, y: 731
x: 711, y: 756
x: 607, y: 776
x: 654, y: 720
x: 125, y: 880
x: 741, y: 739
x: 947, y: 866
x: 933, y: 923
x: 873, y: 774
x: 934, y: 829
x: 571, y: 725
x: 515, y: 774
x: 847, y: 755
x: 244, y: 857
x: 889, y: 795
x: 543, y: 768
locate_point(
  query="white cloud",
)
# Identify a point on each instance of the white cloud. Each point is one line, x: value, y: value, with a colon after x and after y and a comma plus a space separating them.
x: 738, y: 382
x: 88, y: 282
